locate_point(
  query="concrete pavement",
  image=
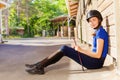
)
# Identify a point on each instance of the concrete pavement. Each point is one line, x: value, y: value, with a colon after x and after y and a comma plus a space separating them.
x: 15, y: 53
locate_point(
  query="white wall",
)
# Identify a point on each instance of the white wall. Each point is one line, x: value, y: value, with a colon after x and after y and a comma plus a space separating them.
x: 117, y: 24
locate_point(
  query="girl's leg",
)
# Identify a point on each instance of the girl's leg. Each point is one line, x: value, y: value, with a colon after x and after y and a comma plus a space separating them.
x: 39, y: 67
x: 87, y: 61
x: 53, y: 58
x: 71, y: 53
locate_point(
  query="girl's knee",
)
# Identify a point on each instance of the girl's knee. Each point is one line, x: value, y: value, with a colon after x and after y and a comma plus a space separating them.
x: 64, y: 47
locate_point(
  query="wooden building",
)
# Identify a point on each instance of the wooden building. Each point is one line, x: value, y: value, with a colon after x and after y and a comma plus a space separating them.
x: 110, y: 10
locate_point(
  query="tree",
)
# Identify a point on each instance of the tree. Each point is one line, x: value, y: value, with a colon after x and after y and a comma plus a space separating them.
x: 34, y: 15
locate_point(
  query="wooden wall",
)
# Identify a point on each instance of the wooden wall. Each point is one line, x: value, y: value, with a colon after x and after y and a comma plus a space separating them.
x: 106, y: 7
x: 117, y: 24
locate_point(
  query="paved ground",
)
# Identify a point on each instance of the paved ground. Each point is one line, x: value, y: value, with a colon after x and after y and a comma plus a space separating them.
x: 15, y: 53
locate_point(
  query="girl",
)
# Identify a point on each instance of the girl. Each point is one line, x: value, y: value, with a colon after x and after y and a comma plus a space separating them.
x: 90, y: 59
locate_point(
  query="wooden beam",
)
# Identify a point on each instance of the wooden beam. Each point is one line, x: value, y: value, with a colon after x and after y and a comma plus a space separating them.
x: 75, y: 10
x: 2, y: 5
x: 72, y: 6
x: 73, y: 14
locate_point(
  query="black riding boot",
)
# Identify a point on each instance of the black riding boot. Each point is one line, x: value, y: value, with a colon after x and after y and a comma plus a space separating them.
x: 38, y: 68
x: 32, y: 65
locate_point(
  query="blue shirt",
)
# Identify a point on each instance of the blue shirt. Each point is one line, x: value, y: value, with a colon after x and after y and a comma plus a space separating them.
x: 102, y: 34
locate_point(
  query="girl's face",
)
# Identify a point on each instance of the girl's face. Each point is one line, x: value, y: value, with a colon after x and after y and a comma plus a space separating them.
x: 93, y: 22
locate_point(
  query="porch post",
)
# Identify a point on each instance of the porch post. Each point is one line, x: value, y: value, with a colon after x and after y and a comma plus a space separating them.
x: 0, y: 26
x: 69, y: 34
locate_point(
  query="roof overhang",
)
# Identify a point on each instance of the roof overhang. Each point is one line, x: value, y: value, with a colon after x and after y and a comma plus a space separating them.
x: 61, y: 18
x: 3, y: 5
x: 72, y: 6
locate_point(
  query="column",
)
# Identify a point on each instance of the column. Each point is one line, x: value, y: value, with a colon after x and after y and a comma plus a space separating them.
x: 0, y: 26
x: 69, y: 32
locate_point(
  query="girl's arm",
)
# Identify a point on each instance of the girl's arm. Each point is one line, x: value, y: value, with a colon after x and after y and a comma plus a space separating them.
x: 97, y: 54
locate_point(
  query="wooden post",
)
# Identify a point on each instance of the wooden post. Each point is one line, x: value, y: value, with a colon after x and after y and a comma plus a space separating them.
x: 0, y: 26
x: 69, y: 27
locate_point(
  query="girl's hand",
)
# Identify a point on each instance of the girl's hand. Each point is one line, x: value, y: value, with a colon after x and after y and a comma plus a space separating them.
x: 78, y: 48
x: 73, y: 46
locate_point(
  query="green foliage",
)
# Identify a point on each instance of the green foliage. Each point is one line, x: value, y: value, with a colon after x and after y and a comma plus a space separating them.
x: 34, y: 15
